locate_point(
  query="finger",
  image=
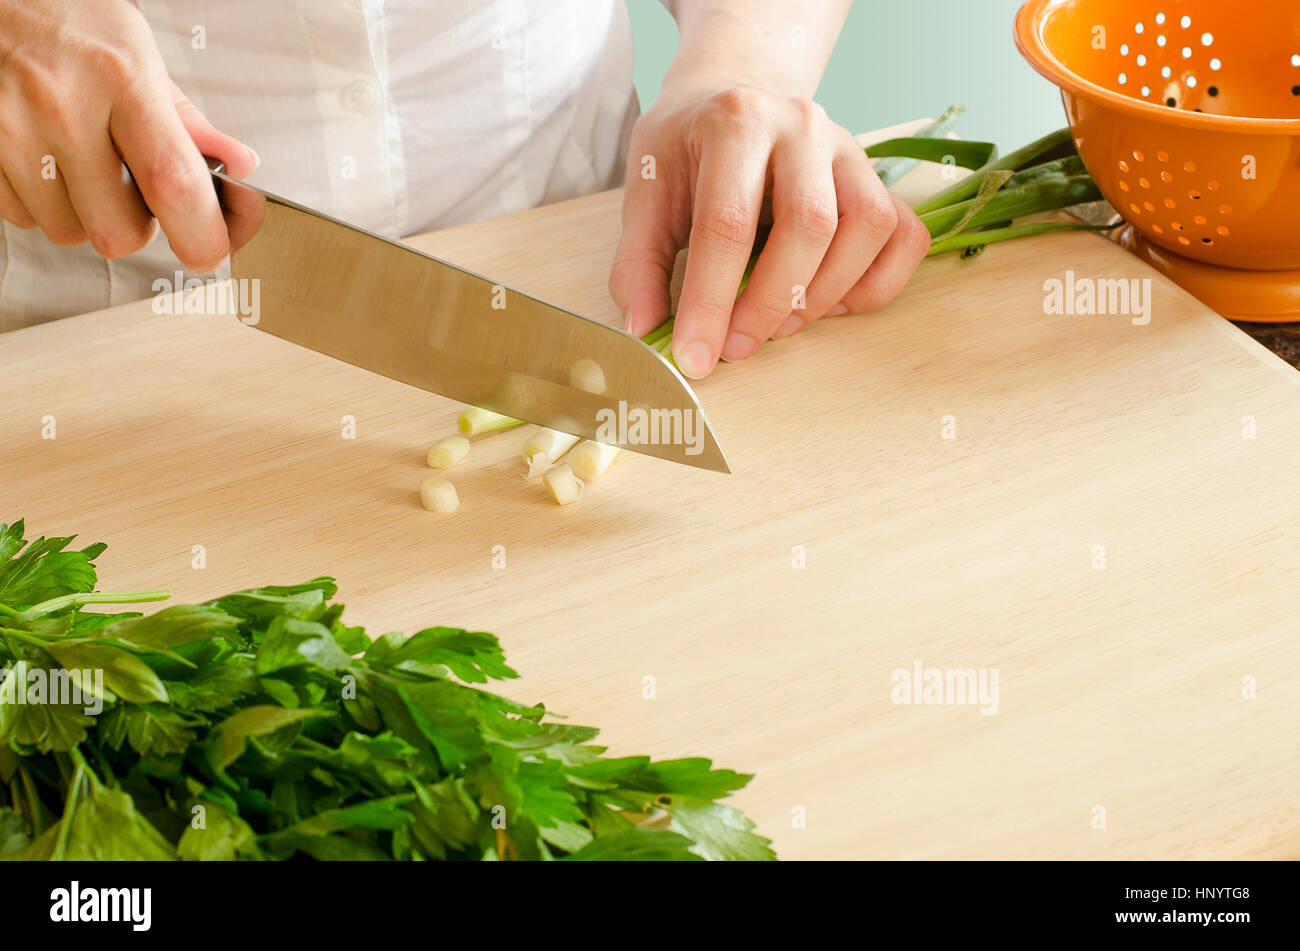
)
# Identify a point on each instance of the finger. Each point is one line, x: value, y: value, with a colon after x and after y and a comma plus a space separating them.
x: 894, y: 266
x: 38, y: 181
x: 239, y: 158
x: 868, y: 219
x: 804, y: 220
x: 728, y: 196
x: 12, y: 208
x: 114, y: 215
x: 640, y: 278
x: 172, y: 176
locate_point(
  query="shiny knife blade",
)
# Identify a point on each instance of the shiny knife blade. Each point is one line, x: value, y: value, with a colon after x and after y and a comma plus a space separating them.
x: 387, y: 308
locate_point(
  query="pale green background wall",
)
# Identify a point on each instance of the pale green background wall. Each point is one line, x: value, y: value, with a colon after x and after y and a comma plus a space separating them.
x: 902, y: 59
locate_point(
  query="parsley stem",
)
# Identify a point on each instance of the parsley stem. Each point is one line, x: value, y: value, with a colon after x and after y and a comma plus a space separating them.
x: 66, y: 601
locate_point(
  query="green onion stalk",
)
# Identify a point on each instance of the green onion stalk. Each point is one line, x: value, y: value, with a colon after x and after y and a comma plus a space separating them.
x: 977, y: 211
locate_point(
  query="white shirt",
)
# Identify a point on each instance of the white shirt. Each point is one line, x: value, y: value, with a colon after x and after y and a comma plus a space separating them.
x: 399, y: 116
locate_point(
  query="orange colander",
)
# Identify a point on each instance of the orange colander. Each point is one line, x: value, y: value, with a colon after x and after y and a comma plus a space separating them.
x: 1187, y: 115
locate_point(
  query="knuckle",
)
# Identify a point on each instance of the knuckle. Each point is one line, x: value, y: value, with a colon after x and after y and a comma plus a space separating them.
x: 710, y: 307
x: 810, y: 112
x: 735, y: 113
x: 121, y: 241
x: 621, y: 274
x: 728, y: 224
x: 879, y: 216
x: 770, y: 311
x: 115, y: 64
x: 814, y: 217
x: 175, y: 180
x: 738, y: 101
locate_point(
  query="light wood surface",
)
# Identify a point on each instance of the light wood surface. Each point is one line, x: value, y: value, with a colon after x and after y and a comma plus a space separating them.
x: 1119, y: 688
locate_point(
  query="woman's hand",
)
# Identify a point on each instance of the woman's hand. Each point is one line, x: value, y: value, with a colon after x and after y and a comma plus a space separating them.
x: 840, y: 242
x: 83, y: 93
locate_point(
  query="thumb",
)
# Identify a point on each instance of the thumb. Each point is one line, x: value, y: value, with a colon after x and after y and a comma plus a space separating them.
x: 640, y: 279
x: 239, y: 158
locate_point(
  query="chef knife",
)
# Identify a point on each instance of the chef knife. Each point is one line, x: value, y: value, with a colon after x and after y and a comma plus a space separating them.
x: 393, y: 310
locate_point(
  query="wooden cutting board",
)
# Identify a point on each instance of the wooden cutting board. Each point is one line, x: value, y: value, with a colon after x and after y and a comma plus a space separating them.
x: 1099, y: 531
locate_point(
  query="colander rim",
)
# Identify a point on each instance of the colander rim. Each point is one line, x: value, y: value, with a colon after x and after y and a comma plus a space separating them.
x: 1029, y: 40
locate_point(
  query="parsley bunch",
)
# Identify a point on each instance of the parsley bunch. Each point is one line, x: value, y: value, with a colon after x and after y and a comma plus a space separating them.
x: 261, y: 726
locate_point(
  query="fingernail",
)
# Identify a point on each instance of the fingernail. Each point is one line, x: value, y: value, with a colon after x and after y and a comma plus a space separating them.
x: 792, y: 323
x: 694, y: 360
x: 839, y: 310
x: 737, y: 347
x: 257, y: 159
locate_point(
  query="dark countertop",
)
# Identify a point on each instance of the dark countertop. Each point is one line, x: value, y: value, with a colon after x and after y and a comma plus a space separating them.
x: 1282, y: 339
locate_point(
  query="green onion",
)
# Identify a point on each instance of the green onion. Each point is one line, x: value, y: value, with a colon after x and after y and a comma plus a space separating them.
x: 979, y: 239
x: 445, y: 453
x: 474, y: 420
x: 545, y: 447
x: 439, y: 495
x: 964, y: 153
x: 1031, y: 199
x: 590, y: 459
x: 892, y: 168
x: 564, y: 486
x: 1032, y: 154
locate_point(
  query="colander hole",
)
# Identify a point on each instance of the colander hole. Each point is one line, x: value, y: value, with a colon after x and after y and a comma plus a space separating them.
x: 1213, y: 90
x: 1170, y: 203
x: 1194, y: 195
x: 1189, y: 166
x: 1187, y: 52
x: 1138, y: 155
x: 1137, y: 209
x: 1186, y: 21
x: 1123, y: 186
x: 1157, y: 229
x: 1295, y: 90
x: 1182, y: 240
x: 1225, y: 209
x: 1191, y: 82
x: 1207, y: 241
x: 1160, y: 18
x: 1223, y: 230
x: 1144, y: 183
x: 1295, y: 59
x: 1171, y: 102
x: 1123, y: 78
x: 1207, y: 39
x: 1212, y: 186
x: 1162, y: 155
x: 1146, y: 91
x: 1166, y: 72
x: 1161, y: 40
x: 1123, y: 165
x: 1166, y: 177
x: 1142, y: 59
x: 1148, y: 206
x: 1138, y: 28
x: 1177, y: 226
x: 1200, y: 220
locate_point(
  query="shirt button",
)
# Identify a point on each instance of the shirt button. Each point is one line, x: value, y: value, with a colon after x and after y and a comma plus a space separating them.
x: 359, y: 96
